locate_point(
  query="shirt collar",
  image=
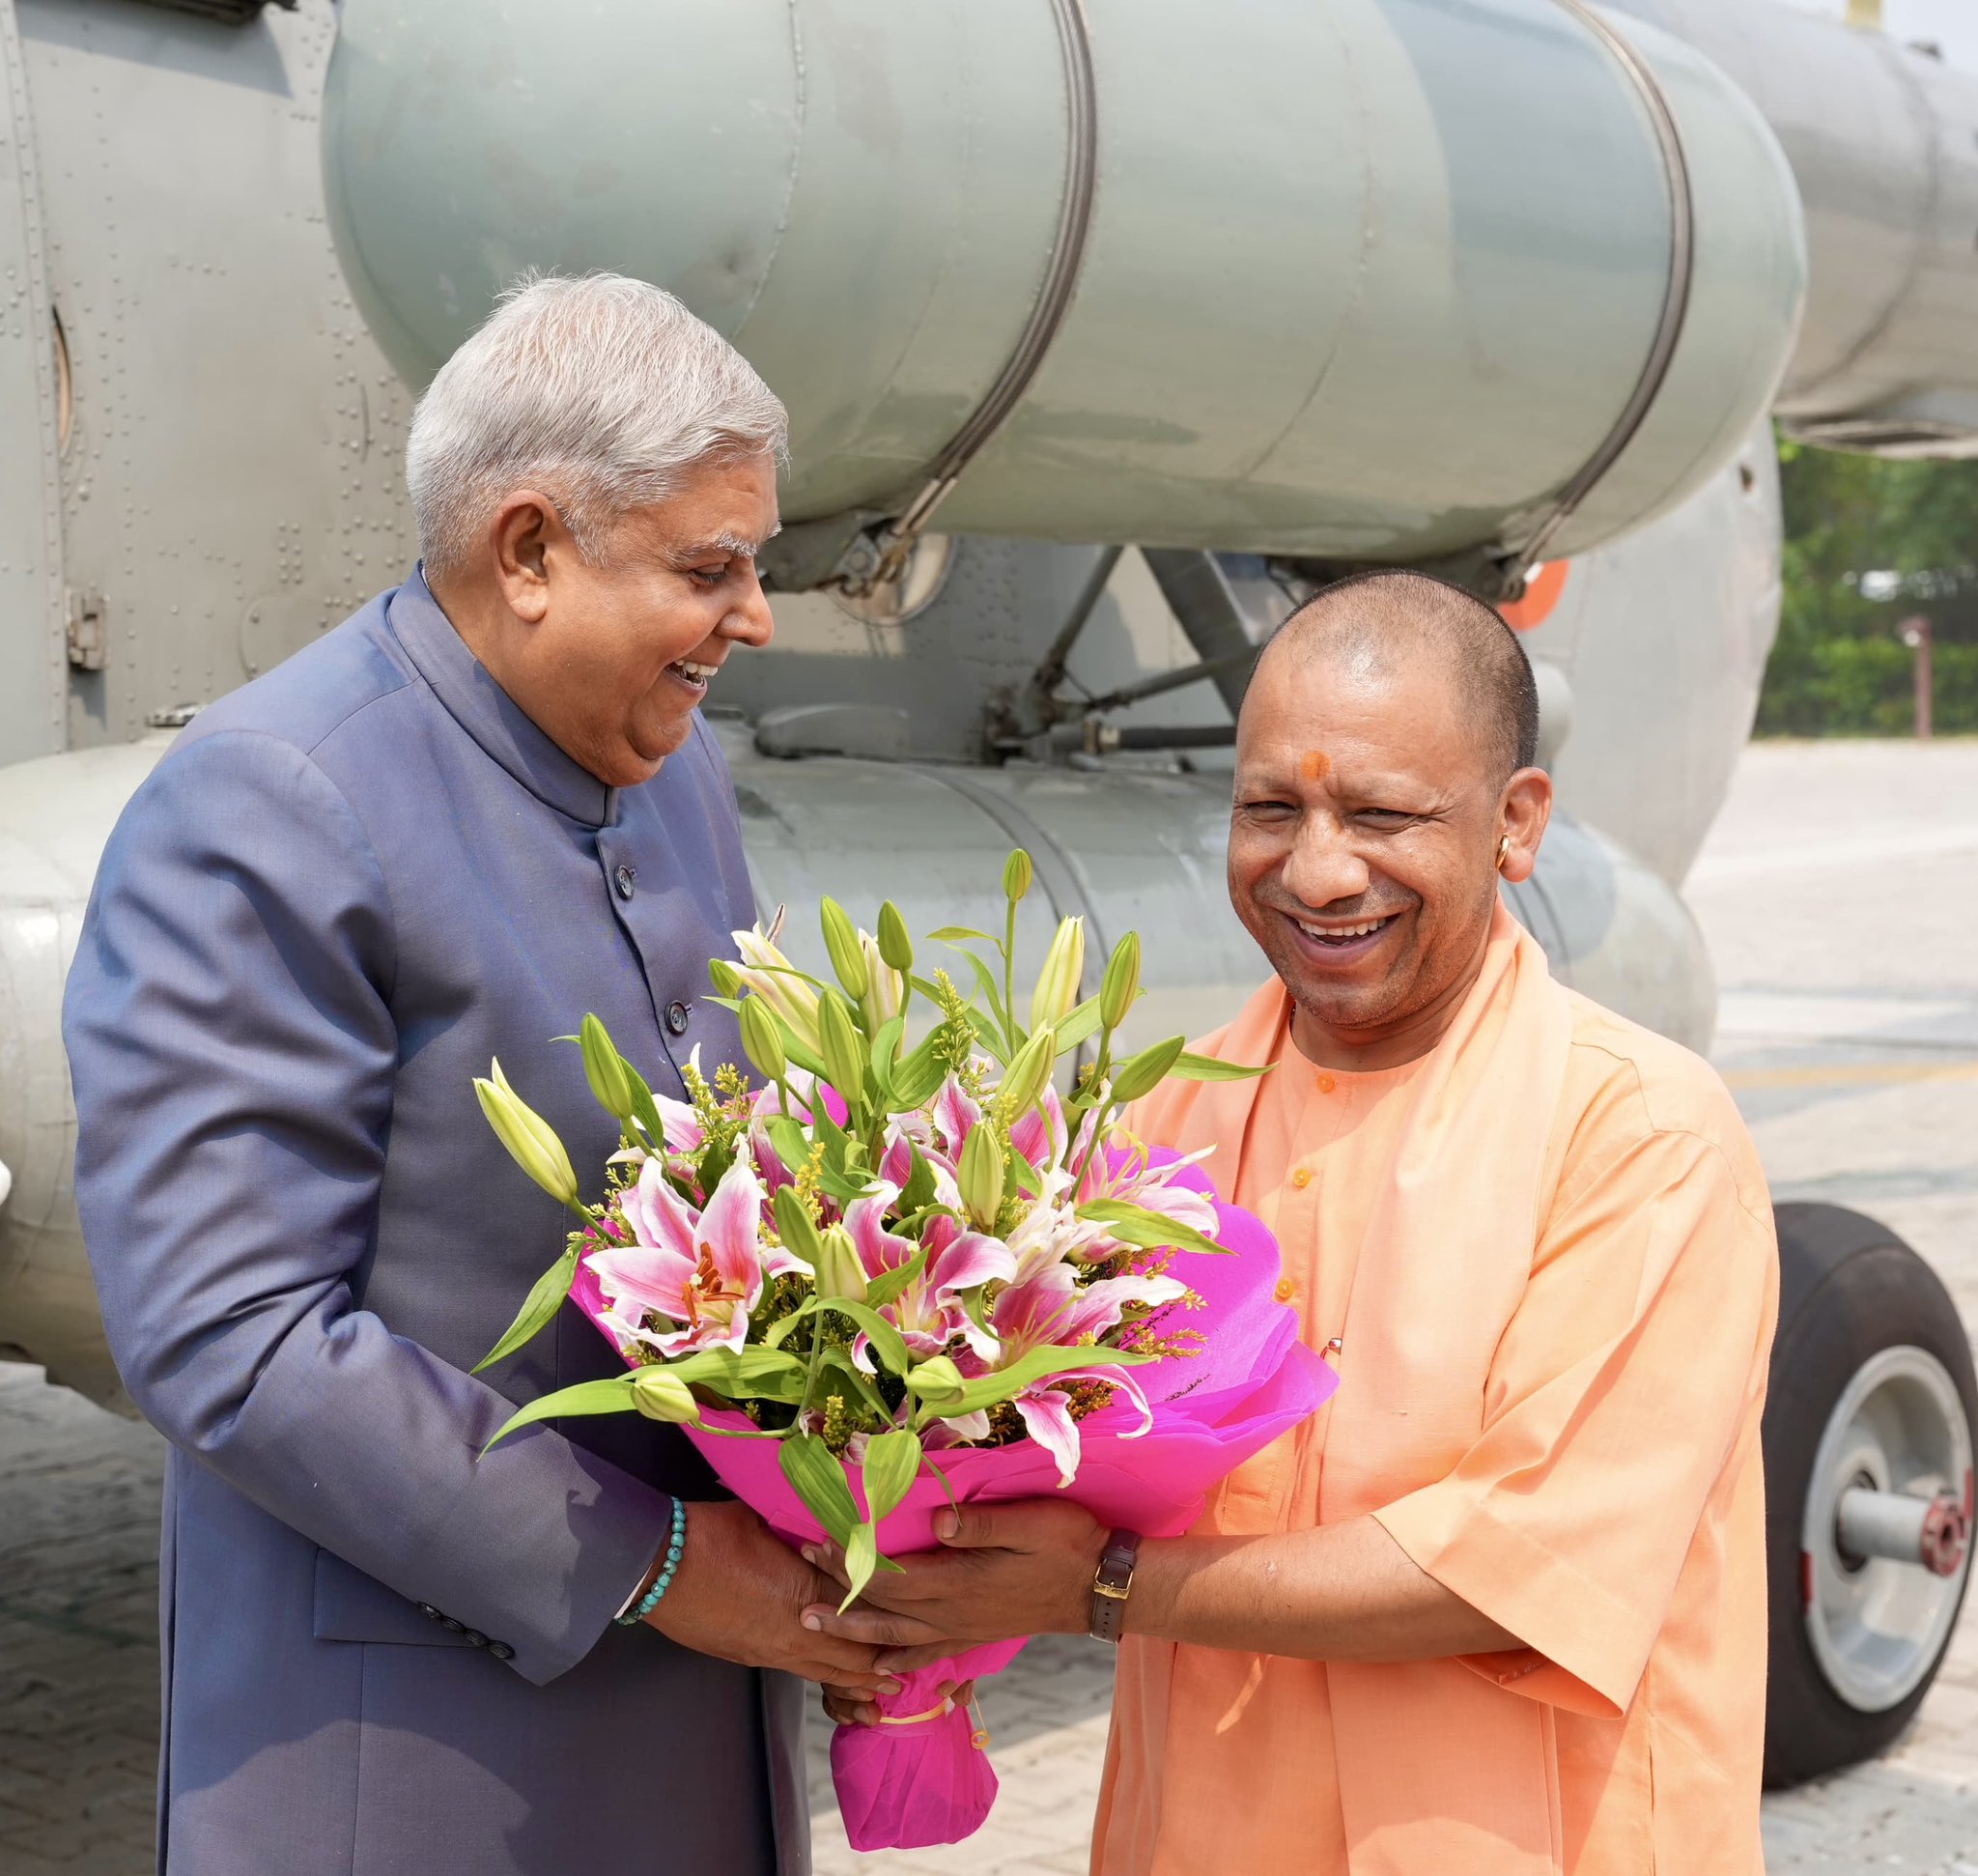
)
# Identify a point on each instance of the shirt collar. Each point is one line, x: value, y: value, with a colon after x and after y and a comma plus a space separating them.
x: 488, y: 714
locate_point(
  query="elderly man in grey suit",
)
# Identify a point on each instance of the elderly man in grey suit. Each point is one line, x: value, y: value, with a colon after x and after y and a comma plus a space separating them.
x: 482, y: 806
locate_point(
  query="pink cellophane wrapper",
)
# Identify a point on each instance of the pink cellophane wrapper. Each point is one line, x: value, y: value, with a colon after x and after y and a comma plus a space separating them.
x: 925, y: 1782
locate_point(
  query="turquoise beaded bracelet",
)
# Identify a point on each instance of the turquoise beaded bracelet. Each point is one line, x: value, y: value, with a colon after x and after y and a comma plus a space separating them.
x: 664, y: 1581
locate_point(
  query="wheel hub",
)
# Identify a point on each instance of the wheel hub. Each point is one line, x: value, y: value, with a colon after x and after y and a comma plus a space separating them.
x: 1886, y: 1542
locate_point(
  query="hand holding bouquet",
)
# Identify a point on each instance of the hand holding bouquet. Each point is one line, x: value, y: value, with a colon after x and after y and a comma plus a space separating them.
x: 884, y: 1278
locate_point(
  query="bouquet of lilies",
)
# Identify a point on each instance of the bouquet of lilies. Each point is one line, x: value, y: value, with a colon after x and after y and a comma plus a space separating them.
x: 918, y: 1272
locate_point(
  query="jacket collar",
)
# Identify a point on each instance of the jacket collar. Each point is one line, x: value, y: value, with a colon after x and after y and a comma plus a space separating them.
x: 488, y: 714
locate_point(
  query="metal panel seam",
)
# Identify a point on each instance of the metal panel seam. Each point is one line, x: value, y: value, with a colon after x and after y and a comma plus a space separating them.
x: 1675, y: 302
x: 1925, y: 121
x: 18, y: 126
x: 1053, y: 297
x: 776, y: 247
x: 1055, y: 867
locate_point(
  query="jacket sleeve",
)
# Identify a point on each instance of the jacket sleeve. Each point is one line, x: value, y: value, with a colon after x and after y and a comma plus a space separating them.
x: 234, y: 1056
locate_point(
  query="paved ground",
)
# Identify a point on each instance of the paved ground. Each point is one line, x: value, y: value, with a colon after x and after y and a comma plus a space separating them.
x: 1840, y: 896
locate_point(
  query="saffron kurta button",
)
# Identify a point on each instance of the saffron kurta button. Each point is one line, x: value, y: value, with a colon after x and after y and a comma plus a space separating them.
x: 1327, y: 1083
x: 1302, y: 1178
x: 676, y: 1018
x: 624, y: 876
x: 1285, y: 1290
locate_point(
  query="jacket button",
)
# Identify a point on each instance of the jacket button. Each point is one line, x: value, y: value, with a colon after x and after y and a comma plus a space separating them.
x: 429, y: 1611
x: 624, y: 876
x: 676, y: 1018
x: 501, y: 1651
x: 477, y: 1638
x: 452, y: 1627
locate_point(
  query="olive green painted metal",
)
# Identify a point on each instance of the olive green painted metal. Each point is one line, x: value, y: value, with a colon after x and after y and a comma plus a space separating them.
x: 1368, y: 280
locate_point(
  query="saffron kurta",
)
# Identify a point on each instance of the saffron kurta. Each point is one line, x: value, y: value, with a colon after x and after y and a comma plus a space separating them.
x: 1542, y: 1258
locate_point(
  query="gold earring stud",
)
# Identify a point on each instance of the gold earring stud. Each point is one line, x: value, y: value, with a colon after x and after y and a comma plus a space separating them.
x: 1503, y: 852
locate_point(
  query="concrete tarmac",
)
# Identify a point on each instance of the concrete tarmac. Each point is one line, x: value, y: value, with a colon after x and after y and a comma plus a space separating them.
x: 1839, y: 893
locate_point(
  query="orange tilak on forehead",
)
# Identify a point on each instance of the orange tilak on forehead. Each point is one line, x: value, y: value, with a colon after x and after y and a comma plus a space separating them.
x: 1315, y: 765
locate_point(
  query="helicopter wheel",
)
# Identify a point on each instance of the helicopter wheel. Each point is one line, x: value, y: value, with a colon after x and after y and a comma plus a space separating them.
x: 1868, y: 1455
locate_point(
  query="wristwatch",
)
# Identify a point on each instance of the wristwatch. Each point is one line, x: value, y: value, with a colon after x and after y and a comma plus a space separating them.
x: 1112, y: 1583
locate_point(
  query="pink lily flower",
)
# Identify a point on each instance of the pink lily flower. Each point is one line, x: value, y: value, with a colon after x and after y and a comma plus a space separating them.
x: 928, y: 1312
x: 956, y: 1115
x: 1050, y: 1308
x: 1053, y: 1237
x: 1046, y: 1413
x: 701, y: 1270
x: 1040, y: 1135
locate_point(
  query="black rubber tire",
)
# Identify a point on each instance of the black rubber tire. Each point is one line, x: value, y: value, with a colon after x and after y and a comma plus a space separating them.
x: 1847, y: 1289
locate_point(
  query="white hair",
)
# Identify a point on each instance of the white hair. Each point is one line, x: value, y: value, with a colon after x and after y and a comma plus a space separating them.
x: 600, y: 391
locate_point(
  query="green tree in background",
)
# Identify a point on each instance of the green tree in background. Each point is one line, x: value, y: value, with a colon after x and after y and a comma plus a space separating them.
x: 1869, y: 544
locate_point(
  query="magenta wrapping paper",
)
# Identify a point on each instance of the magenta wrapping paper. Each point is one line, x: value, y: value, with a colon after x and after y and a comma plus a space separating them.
x: 909, y: 1787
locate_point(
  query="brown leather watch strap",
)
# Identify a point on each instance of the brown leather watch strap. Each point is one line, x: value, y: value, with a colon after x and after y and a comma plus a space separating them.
x: 1111, y: 1583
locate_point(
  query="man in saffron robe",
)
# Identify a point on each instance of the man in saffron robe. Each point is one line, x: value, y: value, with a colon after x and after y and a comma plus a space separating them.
x: 1498, y: 1608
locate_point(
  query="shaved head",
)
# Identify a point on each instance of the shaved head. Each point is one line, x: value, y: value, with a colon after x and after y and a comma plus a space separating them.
x: 1373, y: 621
x: 1384, y: 793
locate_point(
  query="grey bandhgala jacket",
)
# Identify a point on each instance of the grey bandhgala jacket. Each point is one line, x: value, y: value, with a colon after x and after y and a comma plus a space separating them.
x: 345, y: 889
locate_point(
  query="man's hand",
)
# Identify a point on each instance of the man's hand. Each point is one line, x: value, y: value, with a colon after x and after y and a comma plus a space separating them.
x: 1004, y: 1569
x: 740, y: 1593
x: 860, y: 1709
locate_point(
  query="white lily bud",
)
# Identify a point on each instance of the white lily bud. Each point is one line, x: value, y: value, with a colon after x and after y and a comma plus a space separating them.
x: 981, y: 1176
x: 765, y: 970
x: 936, y: 1380
x: 1028, y: 1074
x: 531, y: 1141
x: 839, y: 1273
x: 605, y: 1070
x: 884, y: 987
x: 1058, y: 982
x: 663, y: 1396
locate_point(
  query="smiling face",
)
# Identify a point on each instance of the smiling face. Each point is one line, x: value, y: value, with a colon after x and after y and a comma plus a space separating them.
x: 610, y: 658
x: 1364, y: 842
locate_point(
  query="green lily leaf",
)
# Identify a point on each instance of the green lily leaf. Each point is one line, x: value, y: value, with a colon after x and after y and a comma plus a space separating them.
x: 792, y: 1144
x: 844, y: 1187
x: 888, y: 1343
x: 992, y: 992
x: 544, y: 1300
x: 741, y: 1374
x: 986, y: 1390
x: 861, y: 1560
x: 963, y: 935
x: 918, y: 1194
x: 886, y: 1048
x: 918, y: 1074
x: 989, y: 1038
x: 1189, y: 1066
x: 612, y: 1396
x: 892, y: 1462
x: 1149, y: 1231
x: 645, y: 1110
x: 1028, y: 1175
x: 784, y: 1326
x: 1082, y: 1022
x: 889, y: 1284
x: 840, y: 1360
x: 1141, y: 1074
x: 817, y: 1476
